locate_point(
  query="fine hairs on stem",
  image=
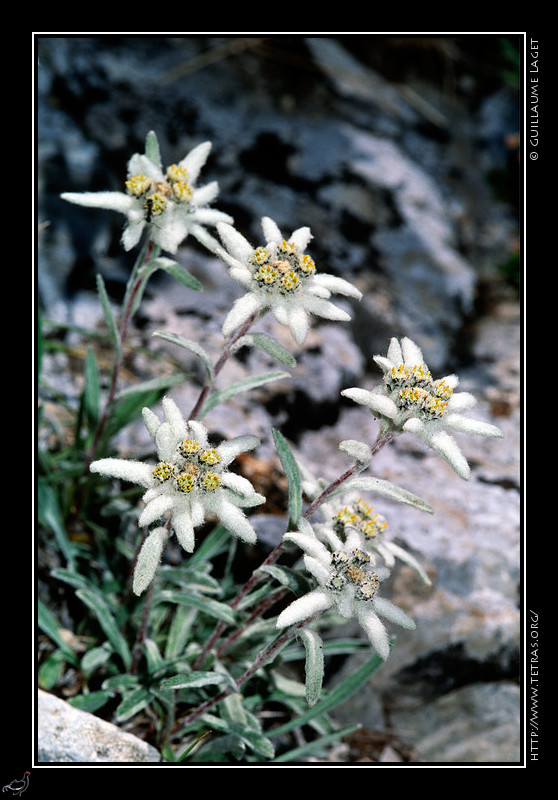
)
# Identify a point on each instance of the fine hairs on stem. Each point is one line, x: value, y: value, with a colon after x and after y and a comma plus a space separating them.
x: 199, y: 624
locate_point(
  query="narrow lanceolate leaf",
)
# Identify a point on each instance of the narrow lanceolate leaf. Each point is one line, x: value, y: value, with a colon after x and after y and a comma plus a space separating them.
x: 109, y: 316
x: 206, y: 604
x: 194, y: 680
x: 190, y: 345
x: 98, y: 605
x: 269, y: 345
x: 50, y: 625
x: 152, y: 150
x: 177, y: 271
x: 241, y: 386
x: 386, y: 489
x: 135, y: 702
x: 314, y: 665
x: 292, y: 474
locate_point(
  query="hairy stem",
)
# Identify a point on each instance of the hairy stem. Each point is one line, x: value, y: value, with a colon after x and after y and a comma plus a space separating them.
x: 262, y: 659
x: 134, y: 285
x: 220, y: 363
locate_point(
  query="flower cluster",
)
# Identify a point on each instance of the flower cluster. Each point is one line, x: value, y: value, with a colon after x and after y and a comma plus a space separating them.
x: 411, y: 400
x: 190, y: 478
x: 348, y: 580
x: 281, y: 277
x: 357, y: 522
x: 167, y: 201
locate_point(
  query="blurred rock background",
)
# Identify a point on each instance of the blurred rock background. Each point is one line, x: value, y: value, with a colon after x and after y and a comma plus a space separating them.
x: 401, y: 155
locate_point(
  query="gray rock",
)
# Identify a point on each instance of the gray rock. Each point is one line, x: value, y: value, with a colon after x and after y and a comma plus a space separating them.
x: 477, y: 723
x: 67, y: 734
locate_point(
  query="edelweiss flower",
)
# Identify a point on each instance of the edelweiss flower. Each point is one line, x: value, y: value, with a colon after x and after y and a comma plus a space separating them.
x: 411, y: 400
x: 190, y: 479
x: 167, y: 201
x: 280, y: 277
x: 357, y: 524
x: 348, y: 581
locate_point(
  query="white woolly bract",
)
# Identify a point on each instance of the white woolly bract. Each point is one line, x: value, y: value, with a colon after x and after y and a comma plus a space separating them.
x: 306, y: 606
x: 148, y: 559
x: 133, y: 471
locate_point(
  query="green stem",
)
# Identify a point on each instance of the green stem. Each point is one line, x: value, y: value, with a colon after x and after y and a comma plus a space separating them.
x: 132, y: 290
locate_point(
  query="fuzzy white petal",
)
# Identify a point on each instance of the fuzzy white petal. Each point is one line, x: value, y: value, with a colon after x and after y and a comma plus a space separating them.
x: 184, y: 529
x: 194, y: 161
x: 112, y: 201
x: 271, y: 230
x: 474, y: 426
x: 132, y: 234
x: 151, y: 422
x: 203, y: 195
x: 326, y: 309
x: 232, y: 518
x: 375, y: 630
x: 337, y: 285
x: 412, y: 354
x: 449, y: 449
x: 391, y: 612
x: 394, y: 352
x: 231, y: 448
x: 376, y: 402
x: 461, y: 401
x: 148, y: 559
x: 242, y: 309
x: 238, y: 247
x: 414, y: 425
x: 301, y: 238
x: 174, y: 417
x: 198, y: 431
x: 384, y: 363
x: 133, y: 471
x: 140, y: 164
x: 238, y: 484
x: 304, y: 607
x: 155, y: 509
x: 310, y: 544
x: 165, y: 442
x: 299, y: 324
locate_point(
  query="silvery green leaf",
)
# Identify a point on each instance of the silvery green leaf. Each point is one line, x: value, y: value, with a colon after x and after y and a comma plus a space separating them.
x: 292, y: 474
x: 360, y: 451
x: 153, y: 385
x: 176, y: 270
x: 240, y: 386
x: 314, y: 665
x: 133, y: 704
x: 194, y: 680
x: 188, y: 344
x: 386, y: 489
x: 109, y: 316
x: 107, y: 622
x: 268, y: 345
x: 152, y: 150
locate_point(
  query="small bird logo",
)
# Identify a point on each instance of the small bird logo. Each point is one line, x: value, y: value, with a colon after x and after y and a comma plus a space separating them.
x: 17, y: 787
